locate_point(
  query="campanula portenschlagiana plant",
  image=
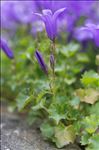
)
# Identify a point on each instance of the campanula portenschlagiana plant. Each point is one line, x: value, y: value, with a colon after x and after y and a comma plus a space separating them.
x: 66, y: 100
x: 50, y: 21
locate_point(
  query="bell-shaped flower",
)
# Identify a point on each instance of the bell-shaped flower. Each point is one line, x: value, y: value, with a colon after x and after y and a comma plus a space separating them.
x: 89, y: 31
x: 41, y: 62
x: 6, y: 49
x: 50, y: 20
x: 94, y: 30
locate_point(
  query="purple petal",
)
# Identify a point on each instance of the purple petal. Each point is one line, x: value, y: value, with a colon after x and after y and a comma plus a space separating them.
x: 37, y: 14
x: 58, y: 12
x: 82, y: 34
x: 51, y: 31
x: 90, y: 25
x: 96, y: 37
x: 94, y: 29
x: 47, y: 19
x: 47, y: 12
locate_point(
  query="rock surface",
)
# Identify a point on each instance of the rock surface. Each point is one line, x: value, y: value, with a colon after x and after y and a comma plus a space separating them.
x: 17, y: 135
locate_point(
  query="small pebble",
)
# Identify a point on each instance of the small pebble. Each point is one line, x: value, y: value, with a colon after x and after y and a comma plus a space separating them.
x: 7, y: 148
x: 16, y: 131
x: 2, y: 125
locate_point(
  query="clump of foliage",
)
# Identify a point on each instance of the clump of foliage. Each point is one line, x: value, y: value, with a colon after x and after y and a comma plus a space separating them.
x: 66, y: 100
x: 54, y: 80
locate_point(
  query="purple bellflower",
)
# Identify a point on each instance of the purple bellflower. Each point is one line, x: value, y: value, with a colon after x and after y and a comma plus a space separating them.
x: 89, y: 32
x: 16, y: 13
x: 41, y: 62
x: 6, y: 49
x: 94, y: 30
x: 82, y: 35
x: 50, y: 21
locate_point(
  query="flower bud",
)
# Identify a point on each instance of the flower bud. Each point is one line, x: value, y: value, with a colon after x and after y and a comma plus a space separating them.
x: 6, y: 49
x: 41, y: 62
x: 52, y: 61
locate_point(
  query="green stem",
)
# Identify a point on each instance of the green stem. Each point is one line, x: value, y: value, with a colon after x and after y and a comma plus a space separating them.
x: 53, y: 47
x: 53, y: 53
x: 52, y: 78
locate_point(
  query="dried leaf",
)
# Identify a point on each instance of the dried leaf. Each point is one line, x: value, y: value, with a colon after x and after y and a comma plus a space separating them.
x: 64, y: 135
x: 88, y: 95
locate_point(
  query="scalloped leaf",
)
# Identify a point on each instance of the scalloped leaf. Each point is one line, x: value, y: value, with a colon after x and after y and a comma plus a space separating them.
x: 91, y: 123
x: 70, y: 50
x: 39, y: 105
x: 90, y: 78
x: 88, y: 95
x: 84, y: 138
x: 64, y: 135
x: 23, y: 100
x: 47, y: 130
x: 93, y: 142
x: 57, y: 112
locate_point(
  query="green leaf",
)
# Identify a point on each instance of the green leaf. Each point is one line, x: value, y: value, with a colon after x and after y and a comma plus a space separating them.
x: 75, y: 102
x: 70, y: 81
x: 82, y: 57
x: 70, y: 50
x: 57, y: 112
x: 84, y: 138
x: 94, y: 109
x: 33, y: 116
x: 41, y: 95
x: 40, y: 101
x: 47, y: 130
x: 91, y: 123
x: 39, y: 105
x: 93, y: 142
x: 64, y: 135
x: 23, y: 100
x: 90, y: 78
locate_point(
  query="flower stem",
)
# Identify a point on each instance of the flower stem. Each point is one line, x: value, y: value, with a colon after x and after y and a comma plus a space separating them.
x: 52, y: 64
x: 53, y: 53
